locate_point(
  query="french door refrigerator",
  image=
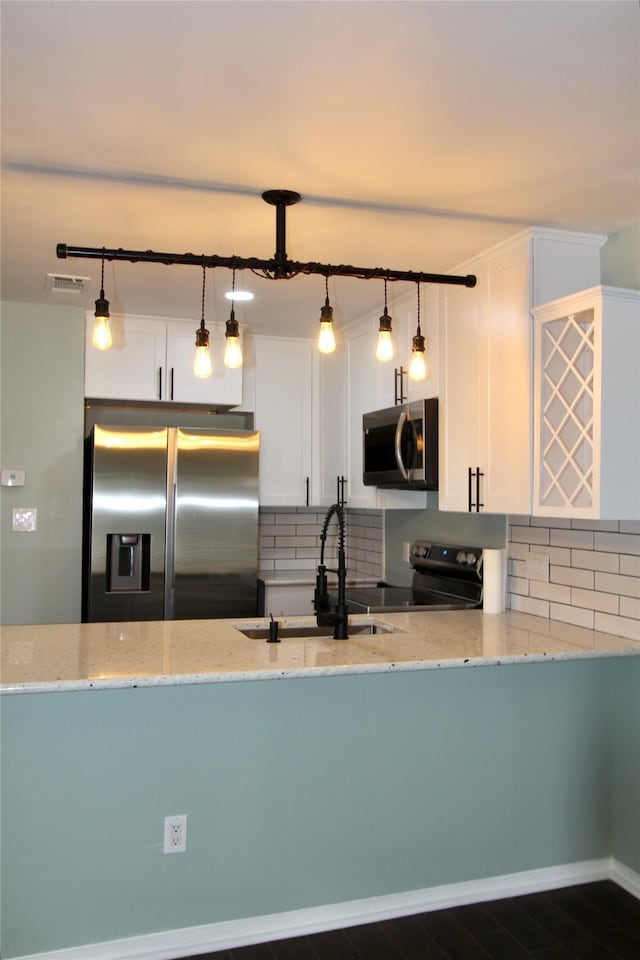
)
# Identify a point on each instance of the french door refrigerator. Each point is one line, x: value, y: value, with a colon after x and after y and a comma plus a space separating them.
x: 171, y: 524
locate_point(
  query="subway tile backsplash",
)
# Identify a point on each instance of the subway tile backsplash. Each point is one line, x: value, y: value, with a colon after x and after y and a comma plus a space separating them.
x: 290, y: 539
x: 594, y: 572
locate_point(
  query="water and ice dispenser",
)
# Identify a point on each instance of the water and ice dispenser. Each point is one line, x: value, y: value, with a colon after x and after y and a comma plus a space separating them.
x: 128, y: 562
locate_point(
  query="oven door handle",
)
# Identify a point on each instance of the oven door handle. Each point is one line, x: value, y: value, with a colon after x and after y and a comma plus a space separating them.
x: 402, y: 419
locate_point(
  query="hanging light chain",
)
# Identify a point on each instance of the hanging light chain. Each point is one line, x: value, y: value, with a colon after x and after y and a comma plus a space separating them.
x: 204, y: 279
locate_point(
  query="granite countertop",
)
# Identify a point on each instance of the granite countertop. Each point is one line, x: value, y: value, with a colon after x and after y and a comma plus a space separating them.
x: 66, y: 657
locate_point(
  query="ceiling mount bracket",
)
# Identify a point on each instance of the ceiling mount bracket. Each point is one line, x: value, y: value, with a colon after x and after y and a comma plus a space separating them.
x: 281, y: 199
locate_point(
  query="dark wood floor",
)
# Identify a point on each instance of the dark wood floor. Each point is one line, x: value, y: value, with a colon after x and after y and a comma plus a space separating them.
x: 595, y: 921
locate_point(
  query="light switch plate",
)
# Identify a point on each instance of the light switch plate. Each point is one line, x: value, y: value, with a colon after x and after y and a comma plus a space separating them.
x: 13, y: 478
x: 24, y: 519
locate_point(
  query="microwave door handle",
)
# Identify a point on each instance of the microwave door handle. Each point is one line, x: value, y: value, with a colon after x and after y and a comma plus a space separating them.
x: 402, y: 419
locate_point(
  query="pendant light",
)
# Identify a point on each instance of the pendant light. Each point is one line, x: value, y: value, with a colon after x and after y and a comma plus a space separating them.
x: 384, y: 348
x: 101, y: 338
x: 326, y: 340
x: 418, y: 366
x: 232, y: 350
x: 202, y: 361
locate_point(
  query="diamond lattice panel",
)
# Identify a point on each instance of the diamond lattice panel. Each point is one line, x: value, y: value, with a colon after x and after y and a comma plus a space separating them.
x: 566, y: 462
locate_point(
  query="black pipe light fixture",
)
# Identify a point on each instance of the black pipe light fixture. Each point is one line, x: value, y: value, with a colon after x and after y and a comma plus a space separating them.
x: 101, y: 338
x: 279, y: 267
x: 326, y: 338
x: 232, y: 350
x: 384, y: 347
x: 202, y: 367
x: 417, y: 365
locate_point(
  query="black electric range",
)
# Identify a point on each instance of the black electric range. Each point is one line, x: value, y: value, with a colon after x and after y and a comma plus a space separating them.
x: 444, y: 578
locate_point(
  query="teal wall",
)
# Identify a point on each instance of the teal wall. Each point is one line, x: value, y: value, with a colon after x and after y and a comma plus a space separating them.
x: 41, y: 429
x: 305, y: 792
x: 620, y: 259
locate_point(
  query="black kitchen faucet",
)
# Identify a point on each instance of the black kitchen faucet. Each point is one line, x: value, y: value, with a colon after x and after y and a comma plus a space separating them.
x: 325, y: 616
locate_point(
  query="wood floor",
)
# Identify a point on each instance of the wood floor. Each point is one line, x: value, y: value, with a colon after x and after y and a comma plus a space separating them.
x: 595, y: 921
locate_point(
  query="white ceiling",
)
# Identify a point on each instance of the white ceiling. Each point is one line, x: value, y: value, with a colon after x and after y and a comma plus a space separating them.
x: 418, y: 133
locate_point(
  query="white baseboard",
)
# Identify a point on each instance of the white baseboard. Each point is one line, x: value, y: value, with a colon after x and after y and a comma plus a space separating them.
x: 628, y: 879
x: 207, y: 938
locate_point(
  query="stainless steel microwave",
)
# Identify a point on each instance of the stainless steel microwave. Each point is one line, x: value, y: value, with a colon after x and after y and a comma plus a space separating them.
x: 400, y: 446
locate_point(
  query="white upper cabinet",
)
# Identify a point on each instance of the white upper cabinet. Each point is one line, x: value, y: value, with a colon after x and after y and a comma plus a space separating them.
x: 587, y: 405
x: 152, y: 359
x: 485, y: 344
x: 284, y: 386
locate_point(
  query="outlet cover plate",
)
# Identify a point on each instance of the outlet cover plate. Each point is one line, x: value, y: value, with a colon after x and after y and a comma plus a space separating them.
x: 538, y: 567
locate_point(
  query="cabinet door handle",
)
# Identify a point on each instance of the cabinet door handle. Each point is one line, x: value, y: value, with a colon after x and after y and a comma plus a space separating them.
x: 307, y: 494
x: 340, y: 482
x: 398, y: 395
x: 159, y: 383
x: 477, y: 473
x: 171, y: 389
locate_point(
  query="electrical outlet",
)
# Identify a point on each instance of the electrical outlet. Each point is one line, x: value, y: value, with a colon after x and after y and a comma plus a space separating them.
x: 538, y: 567
x: 175, y: 834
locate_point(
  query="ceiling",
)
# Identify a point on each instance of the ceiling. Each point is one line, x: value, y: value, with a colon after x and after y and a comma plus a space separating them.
x: 418, y: 133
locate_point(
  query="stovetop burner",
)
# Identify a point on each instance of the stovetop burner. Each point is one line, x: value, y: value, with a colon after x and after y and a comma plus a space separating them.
x: 444, y: 578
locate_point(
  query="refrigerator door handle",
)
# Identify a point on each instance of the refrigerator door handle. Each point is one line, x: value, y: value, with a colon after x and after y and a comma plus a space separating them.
x: 170, y: 539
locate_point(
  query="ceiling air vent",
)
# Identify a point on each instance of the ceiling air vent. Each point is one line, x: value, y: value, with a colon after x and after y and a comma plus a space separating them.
x: 61, y: 283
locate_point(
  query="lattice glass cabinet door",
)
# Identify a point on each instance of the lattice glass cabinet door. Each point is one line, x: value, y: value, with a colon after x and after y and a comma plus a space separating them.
x: 566, y: 422
x: 587, y: 405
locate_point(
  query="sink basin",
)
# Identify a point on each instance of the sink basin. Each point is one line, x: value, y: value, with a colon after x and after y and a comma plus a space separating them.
x: 301, y: 631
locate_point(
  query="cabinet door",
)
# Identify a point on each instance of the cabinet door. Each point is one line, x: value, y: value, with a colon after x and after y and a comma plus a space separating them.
x: 283, y: 409
x: 363, y: 397
x: 587, y: 406
x: 332, y: 425
x: 507, y: 453
x: 289, y: 601
x: 223, y: 387
x: 133, y: 369
x: 462, y: 410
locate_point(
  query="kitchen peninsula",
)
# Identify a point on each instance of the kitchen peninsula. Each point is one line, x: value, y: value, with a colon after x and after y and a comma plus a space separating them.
x: 65, y: 657
x: 382, y: 775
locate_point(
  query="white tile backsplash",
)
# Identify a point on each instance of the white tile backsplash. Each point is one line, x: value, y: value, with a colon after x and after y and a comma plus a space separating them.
x: 290, y: 539
x: 594, y: 572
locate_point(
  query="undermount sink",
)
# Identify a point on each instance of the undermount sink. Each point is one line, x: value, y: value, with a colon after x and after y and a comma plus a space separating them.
x: 287, y: 630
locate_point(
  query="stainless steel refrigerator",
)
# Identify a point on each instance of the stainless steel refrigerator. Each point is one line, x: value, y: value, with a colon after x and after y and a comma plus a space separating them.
x: 171, y: 524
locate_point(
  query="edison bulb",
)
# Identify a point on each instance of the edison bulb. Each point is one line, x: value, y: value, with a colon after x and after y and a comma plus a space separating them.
x: 202, y: 363
x: 384, y: 348
x: 233, y: 353
x: 417, y: 367
x: 101, y: 338
x: 326, y: 340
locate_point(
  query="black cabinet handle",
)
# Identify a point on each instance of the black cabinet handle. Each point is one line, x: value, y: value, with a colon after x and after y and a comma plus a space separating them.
x: 340, y: 499
x: 307, y: 495
x: 171, y: 390
x: 399, y: 395
x: 159, y: 383
x: 477, y: 473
